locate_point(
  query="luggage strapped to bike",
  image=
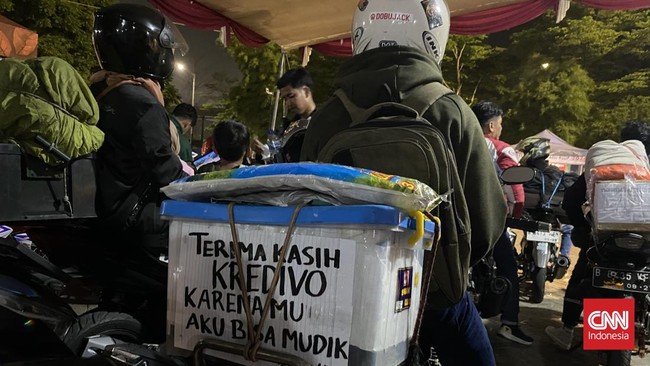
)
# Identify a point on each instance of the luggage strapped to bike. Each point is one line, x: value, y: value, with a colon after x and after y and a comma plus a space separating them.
x: 252, y: 350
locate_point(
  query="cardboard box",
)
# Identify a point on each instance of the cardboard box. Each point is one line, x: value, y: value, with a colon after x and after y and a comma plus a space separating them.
x: 622, y: 206
x: 348, y: 292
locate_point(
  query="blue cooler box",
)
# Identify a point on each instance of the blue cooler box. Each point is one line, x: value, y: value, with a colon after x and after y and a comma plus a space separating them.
x: 348, y: 292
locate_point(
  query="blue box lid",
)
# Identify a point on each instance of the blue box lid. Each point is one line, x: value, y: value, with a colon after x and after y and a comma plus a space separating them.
x: 309, y: 215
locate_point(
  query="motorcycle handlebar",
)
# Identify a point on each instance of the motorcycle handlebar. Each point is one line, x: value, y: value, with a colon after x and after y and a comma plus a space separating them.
x: 528, y: 225
x: 51, y: 148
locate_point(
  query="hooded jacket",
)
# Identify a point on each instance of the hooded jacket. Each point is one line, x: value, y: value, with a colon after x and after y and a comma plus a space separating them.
x: 391, y: 74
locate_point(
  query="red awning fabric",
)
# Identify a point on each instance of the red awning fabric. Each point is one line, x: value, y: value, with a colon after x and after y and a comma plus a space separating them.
x: 196, y: 15
x: 499, y: 19
x: 341, y: 47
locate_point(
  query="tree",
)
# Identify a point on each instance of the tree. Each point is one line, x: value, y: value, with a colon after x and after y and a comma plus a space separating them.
x: 218, y: 88
x: 64, y: 28
x: 466, y: 63
x: 214, y: 94
x: 323, y: 70
x: 250, y: 101
x: 170, y: 94
x: 582, y: 77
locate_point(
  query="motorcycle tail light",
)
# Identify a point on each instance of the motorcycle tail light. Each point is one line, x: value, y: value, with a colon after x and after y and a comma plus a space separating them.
x: 629, y: 241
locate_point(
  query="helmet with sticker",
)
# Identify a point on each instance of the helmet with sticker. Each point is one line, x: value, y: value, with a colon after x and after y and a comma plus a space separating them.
x: 423, y: 24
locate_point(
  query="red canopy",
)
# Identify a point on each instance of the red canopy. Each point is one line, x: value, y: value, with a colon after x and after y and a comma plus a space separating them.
x: 325, y: 25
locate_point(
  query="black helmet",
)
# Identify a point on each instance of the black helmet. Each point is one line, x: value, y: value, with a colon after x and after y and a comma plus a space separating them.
x: 292, y: 140
x: 136, y: 40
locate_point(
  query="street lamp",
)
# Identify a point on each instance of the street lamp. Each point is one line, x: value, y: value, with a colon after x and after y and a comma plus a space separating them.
x: 181, y: 67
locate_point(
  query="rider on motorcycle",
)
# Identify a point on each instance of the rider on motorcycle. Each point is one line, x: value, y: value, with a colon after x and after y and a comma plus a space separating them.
x: 575, y: 197
x: 135, y: 48
x: 536, y: 151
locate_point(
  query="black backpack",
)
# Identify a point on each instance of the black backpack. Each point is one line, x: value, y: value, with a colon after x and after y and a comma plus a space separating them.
x: 393, y: 138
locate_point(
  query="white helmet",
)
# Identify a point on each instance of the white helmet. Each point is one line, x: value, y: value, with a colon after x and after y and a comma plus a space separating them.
x: 423, y: 24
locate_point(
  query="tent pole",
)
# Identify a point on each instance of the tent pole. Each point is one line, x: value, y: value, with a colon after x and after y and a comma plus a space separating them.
x: 276, y: 101
x: 306, y: 53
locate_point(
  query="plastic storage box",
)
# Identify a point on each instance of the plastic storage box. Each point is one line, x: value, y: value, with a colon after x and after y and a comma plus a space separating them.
x: 348, y: 293
x: 622, y: 206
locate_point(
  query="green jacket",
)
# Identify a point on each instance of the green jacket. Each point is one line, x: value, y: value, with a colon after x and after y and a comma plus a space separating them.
x: 186, y: 146
x: 389, y: 74
x: 47, y: 97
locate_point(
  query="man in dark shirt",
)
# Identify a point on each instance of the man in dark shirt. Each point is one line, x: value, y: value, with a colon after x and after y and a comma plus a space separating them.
x: 184, y: 118
x: 296, y: 89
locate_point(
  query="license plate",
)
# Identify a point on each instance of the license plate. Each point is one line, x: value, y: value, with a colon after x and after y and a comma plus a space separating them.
x: 545, y: 236
x: 621, y: 280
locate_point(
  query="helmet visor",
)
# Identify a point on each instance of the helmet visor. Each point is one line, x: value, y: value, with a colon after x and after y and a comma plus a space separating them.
x: 171, y: 37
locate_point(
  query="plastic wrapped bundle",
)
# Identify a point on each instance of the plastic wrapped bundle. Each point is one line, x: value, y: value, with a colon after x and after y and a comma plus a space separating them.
x: 618, y: 186
x: 607, y: 160
x: 290, y: 184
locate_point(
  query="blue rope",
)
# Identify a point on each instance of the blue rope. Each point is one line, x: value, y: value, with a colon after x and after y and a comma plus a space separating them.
x: 557, y: 185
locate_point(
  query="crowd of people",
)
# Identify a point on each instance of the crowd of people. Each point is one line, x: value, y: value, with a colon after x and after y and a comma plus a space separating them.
x: 146, y: 148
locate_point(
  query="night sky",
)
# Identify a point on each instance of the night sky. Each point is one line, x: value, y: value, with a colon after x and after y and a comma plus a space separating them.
x: 206, y: 56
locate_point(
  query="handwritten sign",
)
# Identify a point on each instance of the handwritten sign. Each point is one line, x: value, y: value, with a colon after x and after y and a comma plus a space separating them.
x: 311, y: 311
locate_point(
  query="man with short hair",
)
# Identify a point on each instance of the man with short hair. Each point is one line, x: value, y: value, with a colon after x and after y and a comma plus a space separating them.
x: 296, y: 89
x: 231, y: 143
x: 490, y: 117
x: 184, y: 118
x: 296, y: 86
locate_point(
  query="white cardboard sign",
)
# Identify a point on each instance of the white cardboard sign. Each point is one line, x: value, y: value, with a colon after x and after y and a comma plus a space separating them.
x: 311, y: 311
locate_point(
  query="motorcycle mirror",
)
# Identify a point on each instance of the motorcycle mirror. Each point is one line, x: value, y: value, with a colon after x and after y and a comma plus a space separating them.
x: 517, y: 175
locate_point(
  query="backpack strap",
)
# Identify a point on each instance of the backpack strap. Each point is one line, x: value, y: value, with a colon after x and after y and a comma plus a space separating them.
x: 359, y: 115
x: 354, y: 110
x: 413, y: 106
x: 426, y: 96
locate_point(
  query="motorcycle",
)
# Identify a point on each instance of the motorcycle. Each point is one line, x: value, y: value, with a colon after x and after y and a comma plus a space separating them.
x: 73, y: 264
x: 620, y: 267
x: 35, y: 293
x: 489, y: 289
x: 36, y: 322
x: 539, y: 258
